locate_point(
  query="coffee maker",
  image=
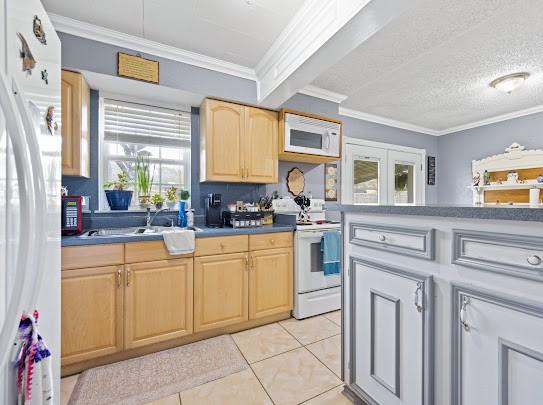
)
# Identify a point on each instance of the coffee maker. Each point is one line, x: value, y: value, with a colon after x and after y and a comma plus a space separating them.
x: 213, y: 210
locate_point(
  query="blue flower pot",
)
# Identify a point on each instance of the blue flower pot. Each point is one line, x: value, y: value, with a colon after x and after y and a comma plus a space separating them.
x: 118, y: 200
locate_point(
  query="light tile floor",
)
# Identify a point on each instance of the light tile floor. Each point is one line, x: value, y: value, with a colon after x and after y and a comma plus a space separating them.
x: 291, y: 362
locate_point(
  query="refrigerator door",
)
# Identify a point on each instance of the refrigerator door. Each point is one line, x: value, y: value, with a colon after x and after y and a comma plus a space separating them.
x: 37, y: 98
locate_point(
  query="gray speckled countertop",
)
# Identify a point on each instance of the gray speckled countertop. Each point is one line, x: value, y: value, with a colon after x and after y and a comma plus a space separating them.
x: 505, y: 212
x: 204, y: 233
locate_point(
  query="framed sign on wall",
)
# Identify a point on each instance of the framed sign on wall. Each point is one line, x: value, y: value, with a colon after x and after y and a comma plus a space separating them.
x: 431, y: 168
x: 136, y: 67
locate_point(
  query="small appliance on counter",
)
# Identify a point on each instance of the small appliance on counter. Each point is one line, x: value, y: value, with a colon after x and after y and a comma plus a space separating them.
x: 213, y: 211
x: 72, y: 215
x: 242, y: 219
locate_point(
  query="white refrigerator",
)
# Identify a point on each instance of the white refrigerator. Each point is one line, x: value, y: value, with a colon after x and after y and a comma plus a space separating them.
x: 30, y: 181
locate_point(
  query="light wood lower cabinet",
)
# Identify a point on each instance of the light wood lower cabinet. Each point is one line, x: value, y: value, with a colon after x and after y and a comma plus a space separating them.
x: 158, y: 299
x: 270, y: 282
x: 92, y: 312
x: 220, y: 290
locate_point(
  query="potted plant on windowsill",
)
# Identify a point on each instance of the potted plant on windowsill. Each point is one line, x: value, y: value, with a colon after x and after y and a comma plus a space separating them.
x: 157, y: 200
x: 171, y: 197
x: 117, y: 197
x: 144, y: 180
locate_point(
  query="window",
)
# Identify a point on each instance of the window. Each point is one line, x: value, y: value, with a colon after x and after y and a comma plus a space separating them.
x: 161, y: 134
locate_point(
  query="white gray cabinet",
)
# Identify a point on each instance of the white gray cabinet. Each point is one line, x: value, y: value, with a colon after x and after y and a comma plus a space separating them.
x: 391, y: 333
x: 497, y: 348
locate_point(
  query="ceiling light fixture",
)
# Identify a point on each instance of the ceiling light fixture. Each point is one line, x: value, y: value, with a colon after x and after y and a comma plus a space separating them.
x: 508, y: 83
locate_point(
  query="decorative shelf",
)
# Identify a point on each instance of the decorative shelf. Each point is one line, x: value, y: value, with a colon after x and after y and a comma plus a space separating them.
x: 504, y: 186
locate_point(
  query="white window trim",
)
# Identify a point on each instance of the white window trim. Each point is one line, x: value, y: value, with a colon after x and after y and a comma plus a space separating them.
x: 102, y: 201
x: 389, y: 147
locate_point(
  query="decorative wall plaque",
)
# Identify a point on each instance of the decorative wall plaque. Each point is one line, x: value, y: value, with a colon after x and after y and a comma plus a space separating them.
x: 295, y: 181
x: 431, y: 168
x: 331, y: 181
x: 136, y: 67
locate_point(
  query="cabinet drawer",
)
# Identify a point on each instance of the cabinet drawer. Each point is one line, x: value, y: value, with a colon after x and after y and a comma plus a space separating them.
x: 148, y: 251
x: 417, y: 242
x: 78, y: 257
x: 270, y: 240
x: 220, y: 245
x: 516, y: 255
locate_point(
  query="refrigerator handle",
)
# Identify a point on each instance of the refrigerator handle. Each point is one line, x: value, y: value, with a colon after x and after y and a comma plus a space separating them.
x: 32, y: 212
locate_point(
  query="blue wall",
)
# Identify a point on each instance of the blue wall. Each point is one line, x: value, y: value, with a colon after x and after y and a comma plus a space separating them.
x: 84, y: 54
x: 458, y: 149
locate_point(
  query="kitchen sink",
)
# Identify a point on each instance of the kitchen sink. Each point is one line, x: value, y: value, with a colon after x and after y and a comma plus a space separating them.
x: 132, y: 231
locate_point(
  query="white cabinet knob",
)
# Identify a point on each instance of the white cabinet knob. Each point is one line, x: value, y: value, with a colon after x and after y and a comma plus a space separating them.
x: 534, y: 260
x: 382, y: 238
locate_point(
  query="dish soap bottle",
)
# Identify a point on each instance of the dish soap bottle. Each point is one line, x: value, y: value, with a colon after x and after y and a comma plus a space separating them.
x: 182, y: 216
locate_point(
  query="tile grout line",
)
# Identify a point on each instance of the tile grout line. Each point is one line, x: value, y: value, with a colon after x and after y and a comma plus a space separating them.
x: 252, y: 371
x: 322, y: 393
x: 328, y: 337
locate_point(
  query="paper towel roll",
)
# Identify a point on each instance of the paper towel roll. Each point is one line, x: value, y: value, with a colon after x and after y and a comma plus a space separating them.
x: 534, y: 197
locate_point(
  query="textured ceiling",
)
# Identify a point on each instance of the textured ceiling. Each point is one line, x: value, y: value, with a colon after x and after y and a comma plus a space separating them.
x: 237, y: 31
x: 432, y: 66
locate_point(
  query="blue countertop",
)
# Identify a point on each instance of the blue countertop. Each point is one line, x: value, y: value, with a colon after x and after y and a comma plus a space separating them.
x: 204, y: 233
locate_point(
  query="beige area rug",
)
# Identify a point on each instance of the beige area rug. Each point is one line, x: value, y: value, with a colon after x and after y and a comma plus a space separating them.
x: 154, y: 376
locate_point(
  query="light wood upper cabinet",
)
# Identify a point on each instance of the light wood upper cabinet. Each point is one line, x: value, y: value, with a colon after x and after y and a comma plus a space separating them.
x: 220, y: 290
x: 75, y: 111
x: 260, y: 143
x: 220, y: 140
x: 91, y: 313
x: 158, y: 301
x: 238, y: 143
x: 270, y: 282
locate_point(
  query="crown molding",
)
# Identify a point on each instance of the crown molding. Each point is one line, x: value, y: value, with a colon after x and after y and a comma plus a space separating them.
x: 108, y: 36
x: 386, y: 121
x: 323, y: 94
x: 493, y: 120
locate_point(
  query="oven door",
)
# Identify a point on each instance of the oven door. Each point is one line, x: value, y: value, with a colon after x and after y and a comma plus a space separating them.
x: 309, y: 272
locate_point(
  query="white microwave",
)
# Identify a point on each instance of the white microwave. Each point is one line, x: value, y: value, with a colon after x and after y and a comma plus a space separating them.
x: 311, y: 135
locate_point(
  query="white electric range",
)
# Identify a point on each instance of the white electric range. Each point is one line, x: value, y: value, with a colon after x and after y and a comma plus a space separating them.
x: 314, y: 292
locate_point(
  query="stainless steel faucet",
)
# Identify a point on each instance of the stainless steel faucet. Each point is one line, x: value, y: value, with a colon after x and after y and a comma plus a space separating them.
x: 150, y: 218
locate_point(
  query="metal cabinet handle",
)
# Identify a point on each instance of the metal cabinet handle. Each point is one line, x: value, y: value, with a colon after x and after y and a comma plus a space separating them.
x: 128, y: 277
x: 246, y: 263
x: 417, y: 297
x: 534, y: 260
x: 272, y: 241
x: 119, y: 277
x: 382, y: 238
x: 463, y: 311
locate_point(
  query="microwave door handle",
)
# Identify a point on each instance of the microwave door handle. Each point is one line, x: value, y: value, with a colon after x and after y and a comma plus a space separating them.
x: 327, y: 133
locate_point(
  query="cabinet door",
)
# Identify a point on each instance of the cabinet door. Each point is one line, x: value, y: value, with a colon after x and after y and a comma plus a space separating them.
x: 220, y: 290
x: 222, y: 125
x: 260, y: 145
x: 270, y: 282
x: 158, y: 301
x: 91, y: 313
x: 391, y: 334
x: 498, y: 349
x: 75, y: 112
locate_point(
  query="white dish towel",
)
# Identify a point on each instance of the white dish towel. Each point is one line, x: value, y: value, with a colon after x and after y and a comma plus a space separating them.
x: 179, y: 242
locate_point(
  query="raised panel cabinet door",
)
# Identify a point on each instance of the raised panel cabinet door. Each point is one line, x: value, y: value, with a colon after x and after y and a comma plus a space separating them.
x: 498, y: 350
x: 390, y: 334
x: 91, y: 313
x: 220, y: 290
x: 260, y: 144
x: 159, y: 297
x: 222, y: 125
x: 75, y: 129
x: 270, y: 282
